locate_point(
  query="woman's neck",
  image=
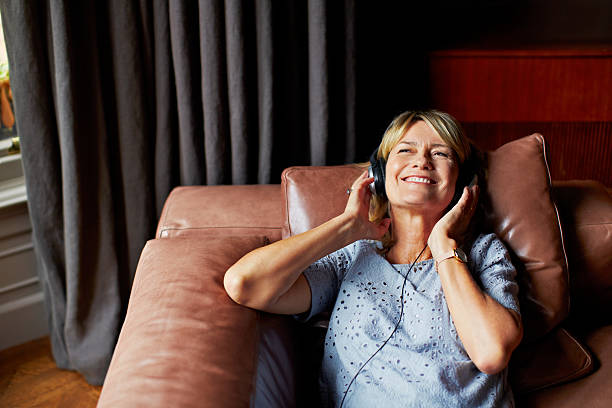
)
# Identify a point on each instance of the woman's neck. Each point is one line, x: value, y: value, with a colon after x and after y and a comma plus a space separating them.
x: 410, y: 233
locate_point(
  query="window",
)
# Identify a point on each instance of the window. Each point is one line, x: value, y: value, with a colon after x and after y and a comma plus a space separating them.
x: 12, y: 181
x: 8, y: 129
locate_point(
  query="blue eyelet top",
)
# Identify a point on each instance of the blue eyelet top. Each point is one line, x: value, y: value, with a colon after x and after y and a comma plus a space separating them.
x: 424, y: 364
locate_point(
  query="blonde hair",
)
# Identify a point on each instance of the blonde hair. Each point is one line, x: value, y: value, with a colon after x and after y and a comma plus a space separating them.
x: 449, y: 130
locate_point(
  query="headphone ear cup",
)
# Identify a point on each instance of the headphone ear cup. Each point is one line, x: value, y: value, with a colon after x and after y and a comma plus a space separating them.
x: 377, y: 170
x: 380, y: 180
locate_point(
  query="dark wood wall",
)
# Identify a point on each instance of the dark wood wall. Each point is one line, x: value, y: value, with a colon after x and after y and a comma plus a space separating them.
x: 505, y: 69
x: 563, y: 93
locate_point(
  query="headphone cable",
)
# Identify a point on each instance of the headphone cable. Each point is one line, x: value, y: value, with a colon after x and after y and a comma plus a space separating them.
x: 396, y: 325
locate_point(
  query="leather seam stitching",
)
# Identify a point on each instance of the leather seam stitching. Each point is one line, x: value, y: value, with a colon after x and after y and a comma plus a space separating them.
x: 287, y: 220
x: 559, y: 226
x: 167, y: 210
x: 189, y: 228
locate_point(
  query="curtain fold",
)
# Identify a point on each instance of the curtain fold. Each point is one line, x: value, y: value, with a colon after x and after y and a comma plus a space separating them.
x: 166, y: 169
x: 241, y: 121
x: 118, y: 102
x: 265, y: 87
x: 318, y: 96
x: 185, y: 57
x: 350, y: 85
x: 214, y: 86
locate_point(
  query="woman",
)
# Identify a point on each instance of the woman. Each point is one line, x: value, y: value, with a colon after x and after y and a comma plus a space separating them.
x: 416, y: 322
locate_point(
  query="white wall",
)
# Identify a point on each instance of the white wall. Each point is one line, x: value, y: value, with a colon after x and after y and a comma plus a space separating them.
x: 22, y: 314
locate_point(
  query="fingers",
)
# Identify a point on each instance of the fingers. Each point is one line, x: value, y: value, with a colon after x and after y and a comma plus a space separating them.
x: 473, y: 199
x: 475, y: 195
x: 363, y: 178
x: 361, y: 181
x: 358, y: 207
x: 469, y: 200
x: 455, y: 222
x: 359, y: 196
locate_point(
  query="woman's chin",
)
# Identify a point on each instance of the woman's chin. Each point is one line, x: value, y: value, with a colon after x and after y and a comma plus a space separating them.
x: 422, y: 206
x: 417, y: 194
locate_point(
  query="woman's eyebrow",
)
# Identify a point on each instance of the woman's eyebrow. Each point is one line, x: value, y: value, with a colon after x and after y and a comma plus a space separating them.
x: 433, y: 145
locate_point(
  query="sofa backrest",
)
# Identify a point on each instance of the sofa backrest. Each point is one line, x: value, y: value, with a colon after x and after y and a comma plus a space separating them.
x: 313, y: 195
x: 252, y: 210
x: 585, y: 208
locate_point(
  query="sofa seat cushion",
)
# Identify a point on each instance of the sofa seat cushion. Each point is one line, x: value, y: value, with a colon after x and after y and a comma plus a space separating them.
x: 553, y: 359
x: 593, y: 391
x: 183, y: 338
x: 221, y: 211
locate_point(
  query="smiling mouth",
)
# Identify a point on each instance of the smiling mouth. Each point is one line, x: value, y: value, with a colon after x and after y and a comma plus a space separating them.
x: 422, y: 180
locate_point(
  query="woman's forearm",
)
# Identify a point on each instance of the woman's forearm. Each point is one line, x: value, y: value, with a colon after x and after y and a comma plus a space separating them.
x: 489, y: 332
x: 262, y: 276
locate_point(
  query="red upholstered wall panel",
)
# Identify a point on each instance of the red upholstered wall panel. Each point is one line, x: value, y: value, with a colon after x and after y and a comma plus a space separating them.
x: 501, y: 95
x: 523, y: 85
x: 576, y: 150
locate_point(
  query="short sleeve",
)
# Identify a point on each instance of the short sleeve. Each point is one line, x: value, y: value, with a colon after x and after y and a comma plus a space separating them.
x: 492, y: 266
x: 324, y: 278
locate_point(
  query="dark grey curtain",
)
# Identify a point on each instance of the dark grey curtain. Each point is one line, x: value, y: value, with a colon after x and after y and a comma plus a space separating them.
x: 119, y: 101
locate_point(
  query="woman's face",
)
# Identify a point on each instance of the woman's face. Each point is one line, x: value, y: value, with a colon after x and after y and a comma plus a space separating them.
x: 421, y: 171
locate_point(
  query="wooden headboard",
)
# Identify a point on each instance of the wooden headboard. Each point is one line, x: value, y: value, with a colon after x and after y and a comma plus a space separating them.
x: 564, y: 94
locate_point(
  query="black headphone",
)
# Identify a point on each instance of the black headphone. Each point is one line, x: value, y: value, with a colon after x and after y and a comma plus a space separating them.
x: 377, y: 170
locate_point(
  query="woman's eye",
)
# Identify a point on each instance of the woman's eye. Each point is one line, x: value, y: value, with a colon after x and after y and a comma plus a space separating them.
x: 404, y: 150
x: 441, y: 154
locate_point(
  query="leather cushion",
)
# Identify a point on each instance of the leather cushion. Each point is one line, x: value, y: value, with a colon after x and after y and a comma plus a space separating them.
x: 183, y: 337
x: 221, y: 211
x: 523, y: 214
x: 313, y: 195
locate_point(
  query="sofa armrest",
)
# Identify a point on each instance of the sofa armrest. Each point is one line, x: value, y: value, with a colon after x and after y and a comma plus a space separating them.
x: 184, y: 342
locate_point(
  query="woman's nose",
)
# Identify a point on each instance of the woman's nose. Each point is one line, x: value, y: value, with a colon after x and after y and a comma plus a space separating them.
x: 422, y: 161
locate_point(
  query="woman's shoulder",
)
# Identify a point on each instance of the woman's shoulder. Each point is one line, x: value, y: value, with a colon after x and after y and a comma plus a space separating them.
x: 364, y: 245
x: 356, y: 249
x: 362, y: 249
x: 485, y: 238
x: 487, y: 245
x: 368, y: 245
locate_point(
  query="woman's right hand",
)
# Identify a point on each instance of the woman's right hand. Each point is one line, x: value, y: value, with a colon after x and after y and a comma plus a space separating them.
x: 358, y: 210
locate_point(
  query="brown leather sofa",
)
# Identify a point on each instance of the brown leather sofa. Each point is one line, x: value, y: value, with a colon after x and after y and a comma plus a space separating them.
x: 184, y: 343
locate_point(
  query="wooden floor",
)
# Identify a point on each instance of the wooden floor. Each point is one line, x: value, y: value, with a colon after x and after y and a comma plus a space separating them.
x: 30, y: 378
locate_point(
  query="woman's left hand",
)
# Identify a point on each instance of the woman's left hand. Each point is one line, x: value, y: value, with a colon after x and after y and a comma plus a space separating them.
x: 447, y: 232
